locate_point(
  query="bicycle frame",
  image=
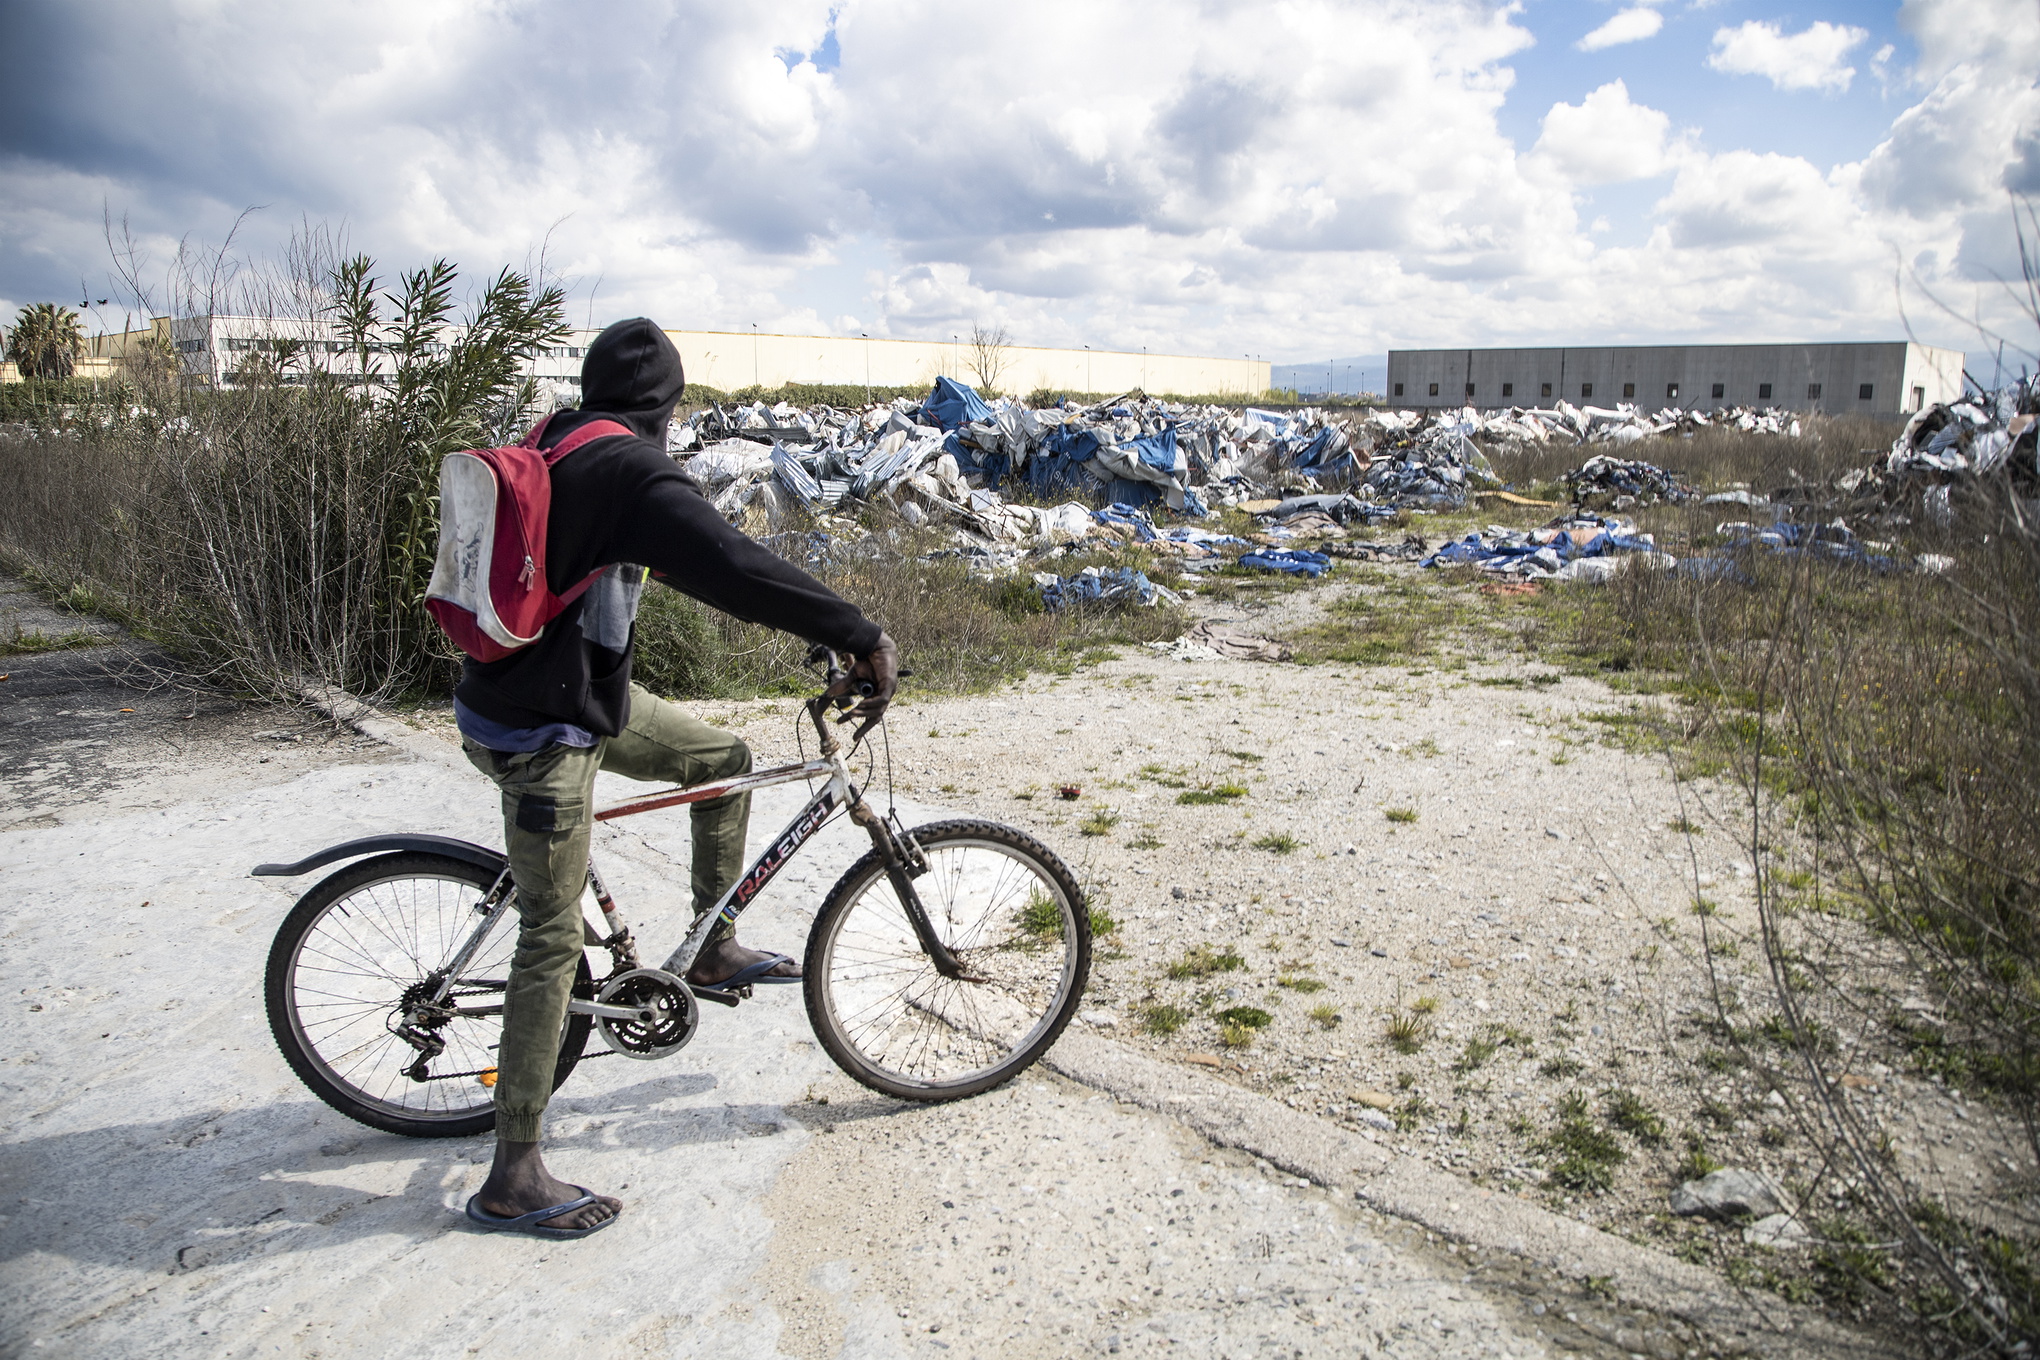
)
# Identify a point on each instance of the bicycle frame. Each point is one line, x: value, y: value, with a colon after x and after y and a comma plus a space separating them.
x: 902, y: 858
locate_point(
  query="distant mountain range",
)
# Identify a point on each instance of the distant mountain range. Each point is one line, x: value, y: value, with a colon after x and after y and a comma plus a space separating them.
x: 1360, y: 373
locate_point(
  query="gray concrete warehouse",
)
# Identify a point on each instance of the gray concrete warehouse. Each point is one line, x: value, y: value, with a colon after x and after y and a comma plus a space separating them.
x: 1881, y: 378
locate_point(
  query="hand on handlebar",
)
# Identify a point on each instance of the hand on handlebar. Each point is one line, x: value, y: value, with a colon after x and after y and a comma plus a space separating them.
x: 873, y: 678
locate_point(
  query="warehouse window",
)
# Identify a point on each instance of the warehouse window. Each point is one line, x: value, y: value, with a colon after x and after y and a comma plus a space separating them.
x: 1508, y: 389
x: 1671, y: 390
x: 1863, y: 392
x: 1586, y: 390
x: 1813, y: 391
x: 1434, y: 389
x: 1469, y: 389
x: 1720, y: 390
x: 1544, y: 389
x: 1763, y: 391
x: 1398, y: 389
x: 1628, y: 391
x: 1919, y: 401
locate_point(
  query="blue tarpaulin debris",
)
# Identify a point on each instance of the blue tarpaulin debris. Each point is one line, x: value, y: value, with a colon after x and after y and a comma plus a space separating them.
x: 1543, y: 552
x: 1097, y: 585
x: 1291, y: 561
x: 952, y: 403
x: 1119, y: 512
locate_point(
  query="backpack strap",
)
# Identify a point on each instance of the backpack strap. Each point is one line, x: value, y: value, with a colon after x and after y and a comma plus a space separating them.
x: 587, y: 434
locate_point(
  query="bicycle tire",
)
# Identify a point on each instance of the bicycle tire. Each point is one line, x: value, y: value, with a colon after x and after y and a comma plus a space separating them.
x: 1031, y: 955
x: 417, y: 923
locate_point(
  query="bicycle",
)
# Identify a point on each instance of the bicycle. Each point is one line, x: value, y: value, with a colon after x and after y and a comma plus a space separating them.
x: 387, y: 1002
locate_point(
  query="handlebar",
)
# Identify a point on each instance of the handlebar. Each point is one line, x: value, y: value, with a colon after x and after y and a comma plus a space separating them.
x: 834, y: 675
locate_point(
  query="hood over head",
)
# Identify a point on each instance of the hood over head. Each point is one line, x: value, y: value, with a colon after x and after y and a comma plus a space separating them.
x: 632, y: 372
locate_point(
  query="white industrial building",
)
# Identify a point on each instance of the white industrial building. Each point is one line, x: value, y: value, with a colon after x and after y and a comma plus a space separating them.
x: 1879, y: 378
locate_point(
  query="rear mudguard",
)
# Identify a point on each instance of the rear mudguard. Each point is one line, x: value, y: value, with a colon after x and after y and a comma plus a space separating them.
x: 480, y: 856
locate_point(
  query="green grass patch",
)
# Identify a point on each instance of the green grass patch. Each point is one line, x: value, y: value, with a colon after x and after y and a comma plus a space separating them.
x: 1161, y: 1019
x: 1402, y: 816
x: 1202, y: 961
x: 1296, y: 982
x: 1278, y: 843
x: 1583, y: 1154
x: 1212, y: 794
x: 35, y: 641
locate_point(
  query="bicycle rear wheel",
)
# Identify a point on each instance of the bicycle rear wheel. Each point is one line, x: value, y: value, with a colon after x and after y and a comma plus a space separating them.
x: 345, y: 967
x: 1012, y: 914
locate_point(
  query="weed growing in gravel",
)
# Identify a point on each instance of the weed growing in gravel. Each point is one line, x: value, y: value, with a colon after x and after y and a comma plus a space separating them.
x: 1697, y: 1162
x: 1561, y: 1067
x: 1244, y: 757
x: 1685, y: 826
x: 1298, y: 983
x: 1584, y: 1155
x: 1249, y: 1017
x: 1478, y: 1050
x: 1411, y: 1112
x: 1425, y: 1005
x: 1161, y: 1019
x: 1211, y: 794
x: 1278, y: 843
x: 1145, y: 840
x: 1326, y: 1014
x: 1203, y: 961
x: 1041, y: 917
x: 1401, y: 815
x: 1098, y: 823
x: 1235, y: 1035
x: 1407, y: 1033
x: 1629, y: 1112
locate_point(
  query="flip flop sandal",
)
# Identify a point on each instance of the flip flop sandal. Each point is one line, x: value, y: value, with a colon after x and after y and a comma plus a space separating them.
x: 745, y: 977
x: 533, y: 1223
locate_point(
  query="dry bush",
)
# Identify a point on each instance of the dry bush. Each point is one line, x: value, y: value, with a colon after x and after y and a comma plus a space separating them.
x: 279, y: 535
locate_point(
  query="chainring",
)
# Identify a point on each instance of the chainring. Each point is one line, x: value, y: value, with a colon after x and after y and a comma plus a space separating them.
x: 676, y: 1014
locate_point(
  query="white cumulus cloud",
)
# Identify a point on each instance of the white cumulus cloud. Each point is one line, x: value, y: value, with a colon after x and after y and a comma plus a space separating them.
x: 1631, y: 25
x: 1605, y: 138
x: 1808, y: 60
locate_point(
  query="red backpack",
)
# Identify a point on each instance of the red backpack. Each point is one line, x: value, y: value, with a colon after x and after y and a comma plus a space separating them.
x: 488, y: 588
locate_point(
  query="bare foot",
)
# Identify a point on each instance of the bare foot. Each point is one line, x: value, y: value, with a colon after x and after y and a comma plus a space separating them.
x: 519, y: 1183
x: 727, y: 958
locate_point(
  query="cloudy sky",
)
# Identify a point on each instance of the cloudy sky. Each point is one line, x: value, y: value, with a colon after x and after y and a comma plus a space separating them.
x: 1287, y: 180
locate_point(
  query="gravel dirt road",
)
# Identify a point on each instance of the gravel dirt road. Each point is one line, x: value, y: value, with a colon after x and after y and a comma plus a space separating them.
x: 169, y: 1189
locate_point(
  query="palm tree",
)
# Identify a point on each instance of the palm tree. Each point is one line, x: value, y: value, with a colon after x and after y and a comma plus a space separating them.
x: 46, y: 341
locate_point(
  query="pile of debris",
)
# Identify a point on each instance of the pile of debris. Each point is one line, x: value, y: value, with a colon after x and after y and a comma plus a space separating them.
x: 955, y: 456
x: 1572, y: 548
x: 1607, y: 482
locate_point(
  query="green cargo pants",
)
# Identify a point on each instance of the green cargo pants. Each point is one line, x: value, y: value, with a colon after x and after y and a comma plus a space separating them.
x: 546, y: 821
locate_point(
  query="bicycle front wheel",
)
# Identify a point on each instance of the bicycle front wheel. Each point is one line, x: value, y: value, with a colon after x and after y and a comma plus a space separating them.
x: 352, y: 957
x: 1012, y: 914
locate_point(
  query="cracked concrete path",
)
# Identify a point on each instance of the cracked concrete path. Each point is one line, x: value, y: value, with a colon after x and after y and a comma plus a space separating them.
x: 168, y: 1188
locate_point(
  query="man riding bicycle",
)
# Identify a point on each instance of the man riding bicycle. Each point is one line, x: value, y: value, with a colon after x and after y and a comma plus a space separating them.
x: 543, y: 720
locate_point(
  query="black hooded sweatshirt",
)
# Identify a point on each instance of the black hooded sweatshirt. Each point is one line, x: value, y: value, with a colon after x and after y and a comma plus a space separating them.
x: 622, y: 500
